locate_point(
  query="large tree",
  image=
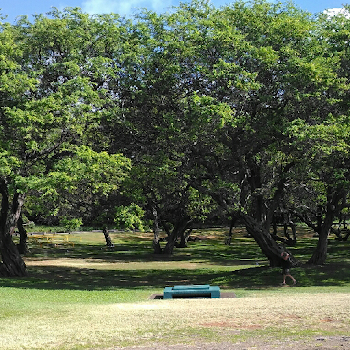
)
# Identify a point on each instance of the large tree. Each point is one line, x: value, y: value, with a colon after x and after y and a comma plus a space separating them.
x: 209, y: 104
x: 265, y: 63
x: 49, y: 116
x: 217, y: 94
x: 296, y: 78
x: 164, y: 121
x: 322, y: 145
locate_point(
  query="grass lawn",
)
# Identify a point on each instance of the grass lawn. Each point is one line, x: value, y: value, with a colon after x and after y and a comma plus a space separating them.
x: 80, y: 295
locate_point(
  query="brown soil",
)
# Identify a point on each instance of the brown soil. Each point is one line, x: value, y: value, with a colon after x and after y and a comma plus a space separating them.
x: 317, y: 343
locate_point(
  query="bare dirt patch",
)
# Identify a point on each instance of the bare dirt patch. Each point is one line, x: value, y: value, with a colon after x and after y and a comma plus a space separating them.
x: 229, y: 324
x: 316, y: 343
x: 262, y: 323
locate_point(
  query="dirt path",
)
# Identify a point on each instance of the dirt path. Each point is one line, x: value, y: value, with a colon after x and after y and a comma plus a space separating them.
x: 317, y: 343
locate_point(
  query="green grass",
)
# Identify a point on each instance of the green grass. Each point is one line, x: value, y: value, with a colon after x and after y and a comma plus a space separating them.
x: 81, y: 295
x: 88, y: 265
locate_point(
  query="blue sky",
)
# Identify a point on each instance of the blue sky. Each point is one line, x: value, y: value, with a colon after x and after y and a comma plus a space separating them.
x: 14, y: 8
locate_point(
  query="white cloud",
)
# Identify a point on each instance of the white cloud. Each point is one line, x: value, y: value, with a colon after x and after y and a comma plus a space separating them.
x: 124, y: 7
x: 337, y: 11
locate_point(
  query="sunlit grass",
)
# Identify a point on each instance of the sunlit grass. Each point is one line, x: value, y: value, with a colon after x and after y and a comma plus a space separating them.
x: 71, y: 320
x: 80, y: 294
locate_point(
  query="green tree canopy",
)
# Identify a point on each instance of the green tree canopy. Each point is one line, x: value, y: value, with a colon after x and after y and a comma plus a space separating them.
x: 49, y: 117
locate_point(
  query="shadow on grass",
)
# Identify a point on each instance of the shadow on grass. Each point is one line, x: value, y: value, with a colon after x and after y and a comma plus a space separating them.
x: 332, y: 275
x: 207, y: 251
x: 49, y: 277
x: 211, y: 252
x: 56, y: 277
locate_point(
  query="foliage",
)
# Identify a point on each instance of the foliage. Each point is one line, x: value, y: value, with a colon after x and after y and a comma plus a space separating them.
x: 238, y: 111
x: 50, y: 114
x: 129, y: 217
x: 71, y: 224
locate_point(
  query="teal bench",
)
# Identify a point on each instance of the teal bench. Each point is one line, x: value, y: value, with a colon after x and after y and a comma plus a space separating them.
x: 192, y: 291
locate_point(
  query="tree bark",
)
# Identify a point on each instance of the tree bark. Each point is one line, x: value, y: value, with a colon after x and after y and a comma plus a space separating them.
x: 156, y: 241
x: 109, y: 243
x: 169, y: 247
x: 320, y: 253
x: 334, y: 199
x: 265, y: 241
x: 12, y: 263
x: 230, y: 232
x: 23, y: 245
x: 173, y: 235
x: 184, y: 238
x: 291, y: 224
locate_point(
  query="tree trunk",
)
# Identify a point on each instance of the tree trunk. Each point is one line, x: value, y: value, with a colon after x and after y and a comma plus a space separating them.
x: 156, y: 241
x: 265, y: 241
x: 230, y: 232
x: 169, y: 247
x: 156, y: 244
x: 320, y: 253
x: 179, y: 228
x: 334, y: 198
x: 12, y: 263
x: 109, y: 243
x: 22, y: 246
x: 184, y: 238
x: 323, y: 228
x: 293, y: 227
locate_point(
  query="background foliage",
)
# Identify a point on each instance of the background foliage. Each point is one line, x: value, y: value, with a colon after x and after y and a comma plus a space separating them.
x: 200, y: 115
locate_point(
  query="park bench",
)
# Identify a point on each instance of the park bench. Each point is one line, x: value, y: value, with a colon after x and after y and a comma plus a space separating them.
x: 191, y: 291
